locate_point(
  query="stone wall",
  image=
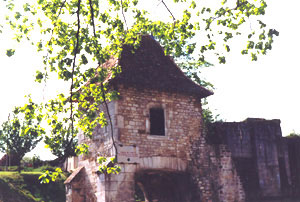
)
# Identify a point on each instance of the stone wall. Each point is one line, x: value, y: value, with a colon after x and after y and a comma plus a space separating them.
x: 170, y: 152
x: 259, y: 153
x: 294, y: 164
x: 231, y: 188
x: 182, y: 151
x: 236, y: 161
x: 100, y: 144
x: 182, y: 122
x: 183, y: 129
x: 215, y: 173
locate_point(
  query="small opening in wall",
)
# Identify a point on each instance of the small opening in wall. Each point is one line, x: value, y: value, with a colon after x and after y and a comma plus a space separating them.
x: 157, y: 121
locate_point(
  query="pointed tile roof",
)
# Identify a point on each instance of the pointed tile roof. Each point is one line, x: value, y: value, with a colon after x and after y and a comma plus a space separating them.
x: 150, y: 68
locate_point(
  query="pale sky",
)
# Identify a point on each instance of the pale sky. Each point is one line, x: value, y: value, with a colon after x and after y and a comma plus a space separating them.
x: 268, y: 88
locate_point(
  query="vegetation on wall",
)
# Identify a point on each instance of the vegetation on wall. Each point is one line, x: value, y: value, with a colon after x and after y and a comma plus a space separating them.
x: 293, y: 135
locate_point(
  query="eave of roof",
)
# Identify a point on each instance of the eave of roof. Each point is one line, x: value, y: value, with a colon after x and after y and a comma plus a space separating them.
x: 73, y: 175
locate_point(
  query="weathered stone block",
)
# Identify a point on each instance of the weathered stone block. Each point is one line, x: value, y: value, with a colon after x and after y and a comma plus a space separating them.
x: 128, y: 154
x: 130, y: 168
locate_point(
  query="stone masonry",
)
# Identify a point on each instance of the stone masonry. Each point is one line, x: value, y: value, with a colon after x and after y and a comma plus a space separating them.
x: 267, y: 163
x: 176, y: 166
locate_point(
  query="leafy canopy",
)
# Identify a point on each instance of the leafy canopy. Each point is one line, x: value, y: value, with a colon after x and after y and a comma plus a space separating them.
x: 78, y: 35
x: 60, y: 140
x: 22, y: 131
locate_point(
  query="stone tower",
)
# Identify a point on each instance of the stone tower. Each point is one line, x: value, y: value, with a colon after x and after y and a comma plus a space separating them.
x: 157, y: 125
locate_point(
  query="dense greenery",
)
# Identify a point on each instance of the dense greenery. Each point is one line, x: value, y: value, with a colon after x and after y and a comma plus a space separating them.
x: 21, y: 132
x: 26, y: 187
x: 76, y: 36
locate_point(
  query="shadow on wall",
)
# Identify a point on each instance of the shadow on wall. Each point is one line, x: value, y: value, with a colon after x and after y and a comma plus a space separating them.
x: 166, y: 186
x: 78, y: 187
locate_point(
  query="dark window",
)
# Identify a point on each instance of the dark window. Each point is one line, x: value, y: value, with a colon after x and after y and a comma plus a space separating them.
x: 157, y: 121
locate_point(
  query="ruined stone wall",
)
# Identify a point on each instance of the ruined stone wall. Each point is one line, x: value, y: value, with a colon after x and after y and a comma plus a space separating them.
x: 212, y: 171
x: 294, y: 162
x: 100, y: 144
x: 231, y: 188
x: 182, y: 151
x: 215, y: 173
x: 265, y: 142
x: 259, y: 154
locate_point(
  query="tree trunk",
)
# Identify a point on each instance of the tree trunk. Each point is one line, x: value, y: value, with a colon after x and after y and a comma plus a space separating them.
x: 17, y: 161
x: 6, y: 161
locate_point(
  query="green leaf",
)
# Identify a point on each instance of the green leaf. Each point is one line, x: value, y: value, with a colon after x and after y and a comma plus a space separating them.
x: 10, y: 52
x: 244, y: 52
x: 193, y: 5
x: 227, y: 48
x: 39, y: 76
x: 84, y: 60
x: 254, y: 57
x: 222, y: 60
x: 18, y: 15
x: 262, y: 36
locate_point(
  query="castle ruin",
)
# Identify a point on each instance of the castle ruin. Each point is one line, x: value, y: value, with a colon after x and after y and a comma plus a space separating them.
x: 162, y: 149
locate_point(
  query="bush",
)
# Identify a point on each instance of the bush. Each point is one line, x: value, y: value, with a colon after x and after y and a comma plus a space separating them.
x: 44, y: 168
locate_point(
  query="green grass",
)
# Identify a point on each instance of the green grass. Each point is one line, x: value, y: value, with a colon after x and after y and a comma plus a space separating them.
x: 25, y: 187
x: 10, y: 168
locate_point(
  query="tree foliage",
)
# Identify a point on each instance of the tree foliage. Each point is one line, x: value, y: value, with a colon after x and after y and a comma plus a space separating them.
x: 108, y: 165
x: 21, y: 132
x: 50, y: 176
x: 61, y: 141
x: 78, y: 35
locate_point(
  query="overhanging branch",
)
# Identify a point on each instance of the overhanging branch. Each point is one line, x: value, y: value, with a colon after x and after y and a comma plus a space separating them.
x: 74, y: 63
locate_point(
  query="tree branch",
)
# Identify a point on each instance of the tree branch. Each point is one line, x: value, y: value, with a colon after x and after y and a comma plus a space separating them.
x: 51, y: 37
x: 92, y: 17
x: 74, y: 63
x: 238, y: 4
x: 102, y: 88
x: 59, y: 13
x: 110, y: 121
x: 174, y: 19
x: 124, y: 15
x: 94, y: 28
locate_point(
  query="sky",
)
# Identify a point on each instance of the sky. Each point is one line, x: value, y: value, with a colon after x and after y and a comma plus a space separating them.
x: 268, y: 88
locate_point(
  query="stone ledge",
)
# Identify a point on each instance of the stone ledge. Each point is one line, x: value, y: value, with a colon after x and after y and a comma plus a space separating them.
x: 157, y: 162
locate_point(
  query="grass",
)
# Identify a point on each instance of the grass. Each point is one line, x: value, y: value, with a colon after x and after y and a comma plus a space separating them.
x: 12, y: 188
x: 10, y: 168
x: 26, y: 187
